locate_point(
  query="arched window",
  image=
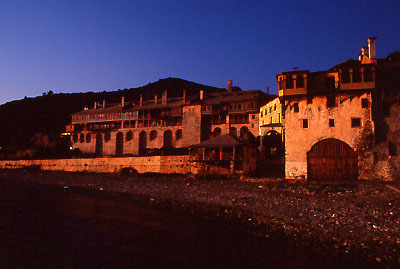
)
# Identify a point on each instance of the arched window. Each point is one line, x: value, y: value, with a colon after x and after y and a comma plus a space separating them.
x: 178, y: 134
x: 233, y: 131
x: 88, y: 138
x: 142, y: 142
x: 168, y: 139
x: 153, y: 135
x: 217, y: 131
x: 107, y: 137
x: 81, y: 138
x: 129, y: 136
x: 75, y: 138
x: 244, y: 131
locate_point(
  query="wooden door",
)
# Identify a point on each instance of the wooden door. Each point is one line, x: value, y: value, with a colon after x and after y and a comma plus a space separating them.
x: 332, y: 160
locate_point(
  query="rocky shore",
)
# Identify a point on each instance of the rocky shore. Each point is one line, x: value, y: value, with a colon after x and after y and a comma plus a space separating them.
x: 359, y: 221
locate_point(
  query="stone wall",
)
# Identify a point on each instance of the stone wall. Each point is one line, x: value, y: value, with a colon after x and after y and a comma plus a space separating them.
x: 191, y: 125
x: 299, y: 140
x: 153, y: 164
x: 130, y: 146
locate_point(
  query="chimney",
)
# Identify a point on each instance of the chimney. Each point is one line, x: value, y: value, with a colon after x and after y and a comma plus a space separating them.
x: 229, y: 85
x: 201, y: 94
x: 123, y: 101
x: 371, y: 49
x: 141, y: 100
x: 155, y: 99
x: 295, y: 69
x: 267, y: 90
x: 164, y: 97
x: 184, y: 96
x: 104, y: 103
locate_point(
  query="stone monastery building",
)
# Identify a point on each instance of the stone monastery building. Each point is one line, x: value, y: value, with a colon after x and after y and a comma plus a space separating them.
x: 134, y: 127
x: 339, y: 124
x: 334, y: 125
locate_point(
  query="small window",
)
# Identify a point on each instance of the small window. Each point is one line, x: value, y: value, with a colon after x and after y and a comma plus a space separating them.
x: 129, y: 136
x: 153, y: 135
x: 364, y: 103
x: 253, y: 117
x: 274, y: 107
x: 331, y: 123
x: 305, y: 123
x: 296, y: 107
x: 355, y: 122
x: 178, y: 134
x: 107, y: 137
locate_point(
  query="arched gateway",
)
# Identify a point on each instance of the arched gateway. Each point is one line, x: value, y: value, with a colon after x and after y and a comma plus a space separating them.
x: 332, y: 160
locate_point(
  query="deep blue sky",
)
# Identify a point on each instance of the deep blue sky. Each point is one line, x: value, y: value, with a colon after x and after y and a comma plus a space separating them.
x: 81, y: 45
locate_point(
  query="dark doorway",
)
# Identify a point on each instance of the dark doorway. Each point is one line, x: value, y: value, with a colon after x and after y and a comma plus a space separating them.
x: 119, y: 144
x: 99, y: 145
x: 142, y: 142
x: 168, y: 139
x: 332, y: 160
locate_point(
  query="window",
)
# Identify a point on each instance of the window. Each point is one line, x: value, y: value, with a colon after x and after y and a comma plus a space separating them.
x: 345, y: 76
x: 364, y: 103
x: 75, y: 138
x: 367, y: 74
x: 107, y: 137
x: 296, y: 107
x: 153, y: 135
x: 274, y: 107
x: 129, y: 136
x: 178, y: 134
x: 88, y: 138
x: 253, y: 117
x: 356, y: 75
x: 305, y: 123
x: 289, y: 82
x: 81, y: 138
x: 355, y: 122
x: 331, y: 123
x: 299, y: 81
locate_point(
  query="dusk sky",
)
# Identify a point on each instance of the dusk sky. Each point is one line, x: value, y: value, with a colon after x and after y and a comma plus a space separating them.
x: 80, y: 46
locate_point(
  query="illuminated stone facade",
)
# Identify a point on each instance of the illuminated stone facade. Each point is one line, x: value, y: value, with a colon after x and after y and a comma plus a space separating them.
x: 135, y: 127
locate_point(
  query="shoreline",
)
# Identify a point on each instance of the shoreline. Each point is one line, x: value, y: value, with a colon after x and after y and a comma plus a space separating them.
x: 359, y: 223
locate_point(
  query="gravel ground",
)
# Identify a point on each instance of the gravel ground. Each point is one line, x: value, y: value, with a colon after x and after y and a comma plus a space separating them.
x: 360, y: 220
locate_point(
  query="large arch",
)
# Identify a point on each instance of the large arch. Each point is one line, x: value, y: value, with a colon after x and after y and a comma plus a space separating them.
x: 168, y: 139
x: 99, y: 145
x: 142, y: 142
x: 217, y: 132
x: 272, y: 145
x: 332, y: 160
x: 233, y: 131
x: 119, y: 144
x: 244, y: 132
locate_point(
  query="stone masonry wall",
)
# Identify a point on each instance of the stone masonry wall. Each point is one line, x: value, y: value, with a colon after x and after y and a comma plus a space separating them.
x: 299, y: 140
x: 132, y: 146
x: 191, y: 125
x: 154, y: 164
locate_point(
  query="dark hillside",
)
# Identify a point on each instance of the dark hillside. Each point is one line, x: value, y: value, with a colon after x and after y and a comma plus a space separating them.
x: 48, y: 114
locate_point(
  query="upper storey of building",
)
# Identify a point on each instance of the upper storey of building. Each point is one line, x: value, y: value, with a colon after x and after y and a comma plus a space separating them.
x: 349, y: 75
x: 161, y: 107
